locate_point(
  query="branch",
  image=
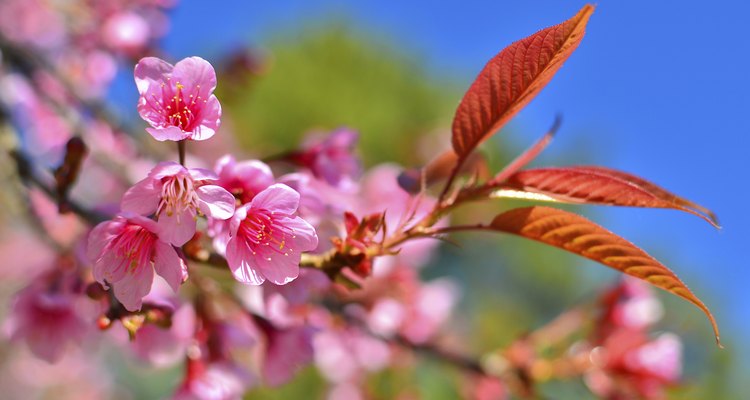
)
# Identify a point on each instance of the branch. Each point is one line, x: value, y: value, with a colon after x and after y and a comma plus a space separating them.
x: 29, y: 175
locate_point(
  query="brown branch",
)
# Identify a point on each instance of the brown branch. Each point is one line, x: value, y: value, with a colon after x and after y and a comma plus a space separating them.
x: 29, y: 176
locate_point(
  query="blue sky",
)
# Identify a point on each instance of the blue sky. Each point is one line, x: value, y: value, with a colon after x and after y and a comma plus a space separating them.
x: 659, y: 89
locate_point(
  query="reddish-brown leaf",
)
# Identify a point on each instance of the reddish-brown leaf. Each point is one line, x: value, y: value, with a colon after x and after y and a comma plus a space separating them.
x: 595, y: 185
x: 580, y: 236
x: 654, y: 189
x: 511, y: 79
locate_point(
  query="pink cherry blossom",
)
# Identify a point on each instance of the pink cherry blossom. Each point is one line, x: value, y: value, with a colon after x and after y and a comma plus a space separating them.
x: 125, y: 252
x: 126, y: 31
x: 215, y: 381
x: 176, y: 195
x: 178, y: 101
x: 287, y: 351
x: 244, y: 179
x: 267, y: 239
x: 162, y: 346
x: 47, y: 319
x: 332, y: 158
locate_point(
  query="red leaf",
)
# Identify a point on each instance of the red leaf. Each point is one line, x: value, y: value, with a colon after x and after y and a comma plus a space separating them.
x: 580, y: 236
x: 654, y: 189
x: 511, y: 79
x: 595, y: 185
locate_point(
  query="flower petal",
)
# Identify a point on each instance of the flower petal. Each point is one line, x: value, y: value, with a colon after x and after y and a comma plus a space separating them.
x: 142, y: 198
x: 165, y: 169
x: 239, y: 259
x: 149, y: 70
x: 100, y: 236
x: 169, y: 265
x: 202, y: 174
x: 134, y: 286
x: 210, y: 120
x: 255, y: 173
x: 215, y: 201
x: 278, y: 198
x: 178, y: 228
x: 280, y: 269
x: 109, y: 268
x: 168, y: 133
x: 305, y: 238
x: 196, y: 74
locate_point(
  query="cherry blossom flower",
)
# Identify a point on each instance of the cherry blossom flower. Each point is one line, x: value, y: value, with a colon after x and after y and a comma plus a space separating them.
x: 177, y: 195
x: 332, y: 157
x: 126, y: 31
x: 125, y: 252
x: 267, y: 239
x: 215, y: 381
x: 47, y: 319
x: 287, y: 350
x: 178, y: 101
x: 244, y: 179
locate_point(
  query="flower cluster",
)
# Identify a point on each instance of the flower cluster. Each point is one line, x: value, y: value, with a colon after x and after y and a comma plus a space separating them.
x: 249, y: 271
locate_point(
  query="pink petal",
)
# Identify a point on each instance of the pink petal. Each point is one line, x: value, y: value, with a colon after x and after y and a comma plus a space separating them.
x: 195, y: 71
x: 109, y: 269
x: 145, y: 222
x: 169, y: 265
x: 210, y: 119
x: 239, y: 215
x: 142, y: 198
x: 178, y: 228
x: 134, y: 286
x: 238, y: 257
x: 100, y: 236
x: 46, y: 343
x: 279, y: 270
x: 168, y: 133
x: 215, y: 201
x: 306, y: 239
x: 202, y: 174
x: 149, y: 70
x: 255, y: 170
x: 165, y: 169
x: 278, y: 197
x: 225, y: 165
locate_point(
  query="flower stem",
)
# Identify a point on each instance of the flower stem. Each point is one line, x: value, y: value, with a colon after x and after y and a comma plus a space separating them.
x: 181, y: 151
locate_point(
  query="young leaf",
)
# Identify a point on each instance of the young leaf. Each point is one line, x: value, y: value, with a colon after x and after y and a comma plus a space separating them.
x: 578, y: 235
x: 594, y: 185
x: 654, y: 189
x: 511, y: 79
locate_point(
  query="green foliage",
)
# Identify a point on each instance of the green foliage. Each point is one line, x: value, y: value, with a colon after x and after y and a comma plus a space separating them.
x: 326, y: 77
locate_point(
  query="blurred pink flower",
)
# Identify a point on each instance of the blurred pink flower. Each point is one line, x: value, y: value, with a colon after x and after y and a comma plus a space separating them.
x: 430, y: 307
x: 243, y: 179
x: 125, y: 252
x: 176, y: 195
x: 344, y: 354
x: 332, y: 158
x: 267, y: 239
x: 47, y: 318
x: 178, y: 101
x: 287, y: 351
x: 126, y: 31
x: 637, y: 306
x: 215, y: 381
x: 162, y: 346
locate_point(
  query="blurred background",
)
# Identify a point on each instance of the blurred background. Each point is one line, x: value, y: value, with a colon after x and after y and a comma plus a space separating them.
x: 658, y: 89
